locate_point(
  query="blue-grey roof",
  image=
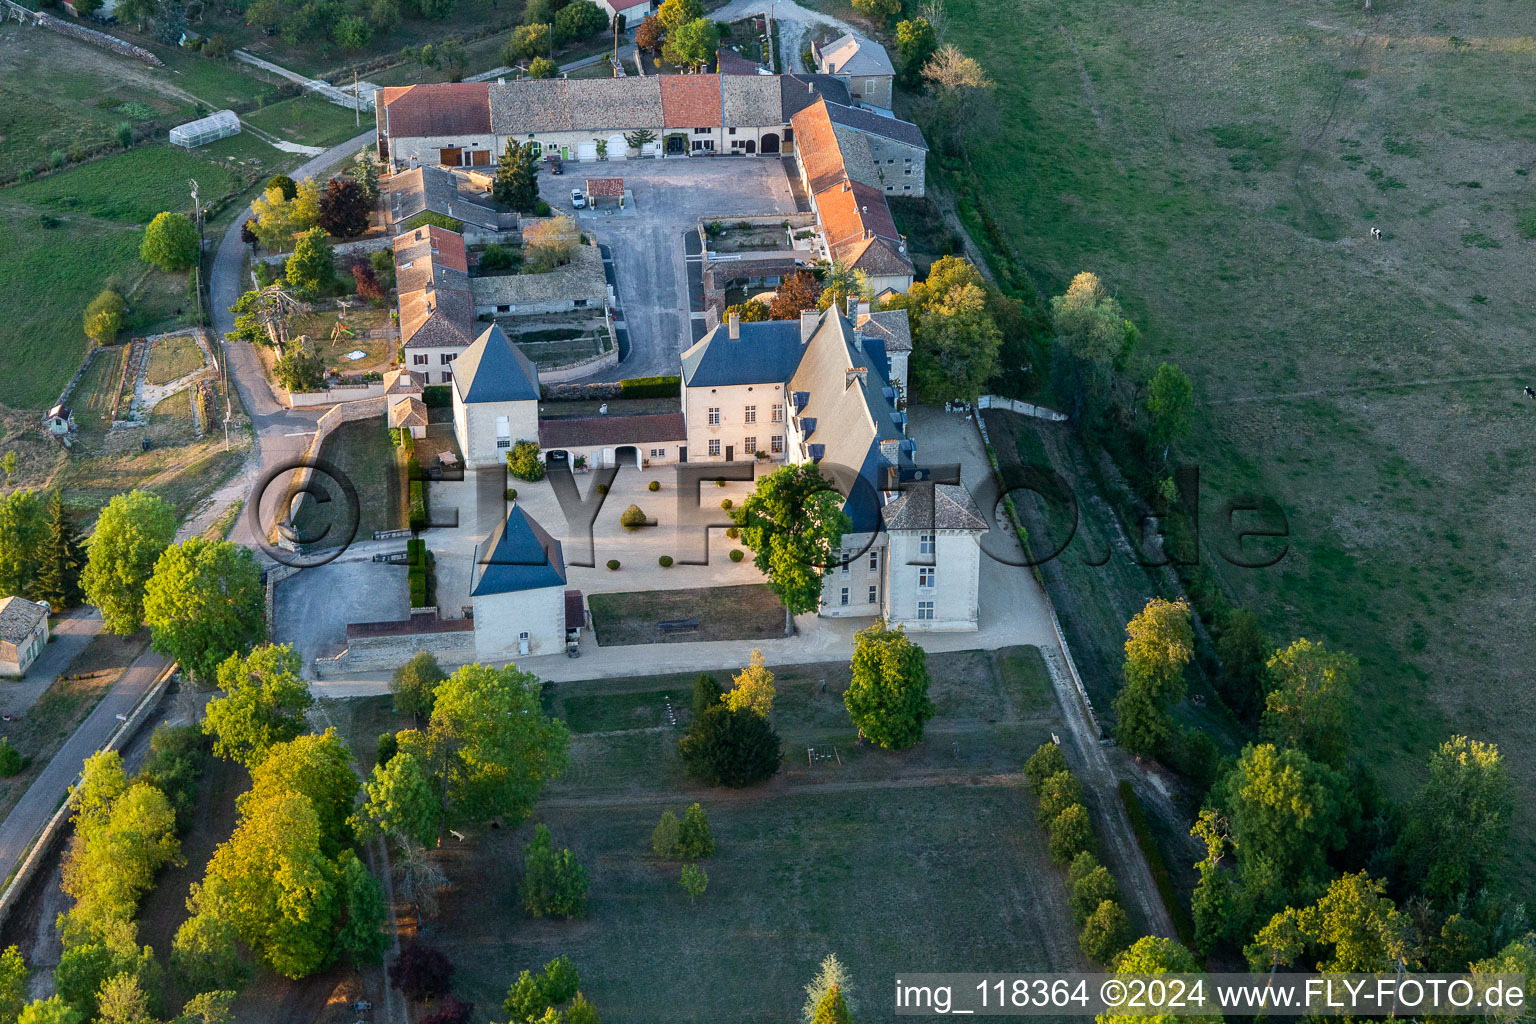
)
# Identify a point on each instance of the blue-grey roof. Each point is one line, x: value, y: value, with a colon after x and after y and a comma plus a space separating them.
x: 517, y: 556
x: 495, y: 370
x: 766, y: 353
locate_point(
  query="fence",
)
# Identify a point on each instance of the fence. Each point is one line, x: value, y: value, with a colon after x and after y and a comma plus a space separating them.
x: 1039, y: 412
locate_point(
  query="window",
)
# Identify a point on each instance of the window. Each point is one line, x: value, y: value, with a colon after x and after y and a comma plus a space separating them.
x: 749, y: 445
x: 906, y: 188
x: 749, y: 415
x: 420, y: 359
x: 535, y: 146
x: 701, y: 131
x: 925, y: 577
x: 890, y: 188
x: 874, y: 594
x: 778, y: 412
x: 925, y: 543
x: 714, y: 416
x: 843, y: 560
x: 907, y: 172
x: 925, y: 611
x: 697, y: 144
x: 845, y: 595
x: 580, y: 302
x: 874, y: 561
x: 714, y: 446
x: 778, y: 444
x: 503, y: 309
x: 733, y: 131
x: 446, y: 358
x: 447, y: 376
x: 658, y: 453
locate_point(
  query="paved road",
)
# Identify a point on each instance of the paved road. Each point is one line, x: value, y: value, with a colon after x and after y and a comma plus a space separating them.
x: 281, y: 433
x: 39, y: 802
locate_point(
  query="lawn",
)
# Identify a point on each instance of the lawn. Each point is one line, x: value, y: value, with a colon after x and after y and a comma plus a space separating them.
x: 1221, y: 166
x: 875, y: 856
x: 361, y: 450
x: 724, y: 613
x: 173, y: 358
x: 132, y: 186
x: 309, y: 120
x: 378, y: 353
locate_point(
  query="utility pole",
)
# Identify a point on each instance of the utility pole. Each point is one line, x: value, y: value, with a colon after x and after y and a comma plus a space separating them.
x: 197, y: 209
x: 357, y: 101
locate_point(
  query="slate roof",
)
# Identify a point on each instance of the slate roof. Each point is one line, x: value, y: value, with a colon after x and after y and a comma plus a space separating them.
x: 891, y: 326
x: 941, y: 507
x: 401, y: 382
x: 19, y: 619
x: 854, y: 55
x: 751, y: 101
x: 443, y: 109
x: 690, y: 101
x: 614, y: 104
x: 796, y: 92
x: 583, y: 431
x: 518, y: 555
x: 582, y: 278
x: 530, y: 105
x: 729, y: 62
x: 436, y: 189
x: 431, y: 275
x: 870, y: 123
x: 766, y: 353
x: 495, y: 370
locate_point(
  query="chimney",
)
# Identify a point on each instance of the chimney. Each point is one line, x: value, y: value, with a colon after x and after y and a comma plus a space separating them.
x: 810, y: 87
x: 890, y: 450
x: 733, y: 326
x: 809, y: 318
x: 855, y: 373
x: 847, y: 185
x: 853, y: 306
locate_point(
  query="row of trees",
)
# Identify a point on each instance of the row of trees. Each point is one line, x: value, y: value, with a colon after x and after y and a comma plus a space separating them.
x: 40, y: 554
x: 287, y: 209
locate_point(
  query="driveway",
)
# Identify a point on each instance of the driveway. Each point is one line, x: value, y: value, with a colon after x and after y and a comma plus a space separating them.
x: 647, y: 243
x: 311, y: 610
x: 795, y: 24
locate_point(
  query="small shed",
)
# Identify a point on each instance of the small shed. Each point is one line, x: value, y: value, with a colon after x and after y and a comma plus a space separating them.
x: 60, y: 423
x: 220, y: 124
x: 605, y: 188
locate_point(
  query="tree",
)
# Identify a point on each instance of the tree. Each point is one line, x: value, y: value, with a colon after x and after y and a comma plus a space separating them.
x: 1091, y: 884
x: 542, y: 67
x: 550, y: 243
x: 119, y: 845
x: 1170, y: 403
x: 123, y: 1001
x: 665, y: 835
x: 650, y: 33
x: 365, y: 171
x: 1308, y: 705
x: 489, y: 745
x: 694, y: 839
x: 640, y: 138
x: 961, y: 87
x: 794, y: 523
x: 170, y: 242
x: 1151, y: 954
x: 1455, y: 837
x: 1071, y: 833
x: 414, y: 685
x: 131, y: 534
x: 797, y: 293
x: 751, y: 311
x: 561, y: 980
x: 1105, y: 932
x: 311, y: 268
x: 1366, y: 933
x: 831, y: 975
x: 1057, y: 793
x: 104, y: 317
x: 730, y: 748
x: 421, y: 972
x: 516, y: 183
x: 57, y: 577
x: 53, y: 1010
x: 581, y: 1012
x: 13, y: 984
x: 915, y: 44
x: 675, y: 13
x: 833, y: 1008
x: 706, y: 694
x: 693, y: 43
x: 264, y: 704
x: 1243, y: 649
x: 23, y: 525
x: 208, y: 1008
x: 1160, y: 643
x: 694, y: 881
x: 1046, y: 761
x: 318, y: 766
x: 305, y: 212
x: 362, y: 931
x: 527, y: 41
x: 754, y: 687
x: 300, y: 369
x: 285, y: 187
x: 958, y: 347
x: 401, y: 798
x: 344, y: 208
x: 8, y: 465
x: 205, y: 603
x: 1089, y: 321
x: 887, y: 697
x: 205, y: 955
x: 579, y: 19
x: 553, y: 882
x: 353, y: 32
x: 840, y: 283
x: 878, y: 9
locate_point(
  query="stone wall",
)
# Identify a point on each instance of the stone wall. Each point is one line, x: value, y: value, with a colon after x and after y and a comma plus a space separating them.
x: 374, y: 653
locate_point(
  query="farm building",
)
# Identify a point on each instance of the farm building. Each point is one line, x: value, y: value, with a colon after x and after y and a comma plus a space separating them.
x: 220, y: 124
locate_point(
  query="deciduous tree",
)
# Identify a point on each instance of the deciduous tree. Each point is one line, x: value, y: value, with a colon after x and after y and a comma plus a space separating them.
x: 754, y: 687
x: 1170, y: 403
x: 318, y: 766
x: 1160, y: 643
x: 799, y: 292
x: 751, y: 311
x: 205, y: 955
x: 1308, y: 704
x: 312, y: 268
x: 887, y: 697
x: 421, y: 972
x: 170, y: 242
x: 794, y: 523
x: 23, y: 526
x: 578, y: 20
x: 1455, y: 837
x: 13, y: 984
x: 205, y: 603
x: 694, y: 881
x: 400, y: 798
x: 550, y: 243
x: 674, y: 13
x: 915, y: 44
x: 414, y: 685
x: 131, y: 534
x: 1152, y: 954
x: 104, y: 317
x: 1105, y: 932
x: 542, y: 67
x: 650, y: 33
x: 264, y: 703
x: 344, y: 208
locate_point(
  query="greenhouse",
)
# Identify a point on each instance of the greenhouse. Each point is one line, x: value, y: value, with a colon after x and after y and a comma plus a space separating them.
x: 218, y: 125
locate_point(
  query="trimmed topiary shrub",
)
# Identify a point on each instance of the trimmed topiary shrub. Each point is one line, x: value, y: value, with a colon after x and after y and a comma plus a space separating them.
x: 654, y: 485
x: 10, y: 759
x: 613, y: 565
x: 737, y: 554
x: 719, y: 481
x: 511, y: 493
x: 733, y: 532
x: 726, y: 504
x: 632, y: 518
x: 665, y: 561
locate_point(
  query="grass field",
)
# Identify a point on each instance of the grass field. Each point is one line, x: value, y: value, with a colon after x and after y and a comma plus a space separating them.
x: 309, y: 120
x: 1221, y: 166
x: 724, y: 613
x: 132, y: 186
x: 173, y: 358
x: 361, y: 450
x: 805, y: 865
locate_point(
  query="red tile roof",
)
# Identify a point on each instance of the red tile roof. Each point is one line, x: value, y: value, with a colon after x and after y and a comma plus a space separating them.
x: 691, y: 101
x: 816, y: 147
x: 462, y: 108
x: 851, y: 212
x: 605, y: 188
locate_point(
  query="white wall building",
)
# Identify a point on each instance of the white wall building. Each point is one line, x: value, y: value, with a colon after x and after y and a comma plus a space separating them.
x: 495, y: 399
x: 23, y: 634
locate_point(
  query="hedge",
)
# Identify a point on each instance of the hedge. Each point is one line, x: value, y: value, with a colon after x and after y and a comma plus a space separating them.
x: 418, y: 516
x: 1155, y: 863
x: 437, y: 396
x: 650, y: 387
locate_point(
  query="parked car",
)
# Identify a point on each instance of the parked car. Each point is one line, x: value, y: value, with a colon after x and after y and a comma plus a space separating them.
x: 557, y: 166
x: 578, y: 201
